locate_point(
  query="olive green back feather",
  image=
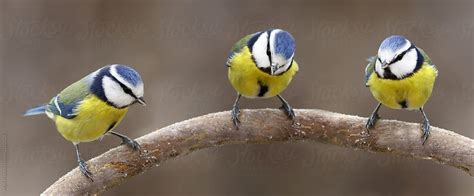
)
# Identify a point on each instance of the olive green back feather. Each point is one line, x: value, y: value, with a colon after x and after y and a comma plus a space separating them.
x: 75, y: 92
x: 242, y: 43
x: 425, y: 56
x: 238, y: 47
x: 66, y: 102
x: 369, y: 69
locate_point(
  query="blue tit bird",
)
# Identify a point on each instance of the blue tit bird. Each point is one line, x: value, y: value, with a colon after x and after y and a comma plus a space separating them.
x: 261, y: 65
x: 401, y: 76
x: 93, y: 106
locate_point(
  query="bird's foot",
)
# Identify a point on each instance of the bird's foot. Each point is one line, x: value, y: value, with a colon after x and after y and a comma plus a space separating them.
x: 235, y: 116
x: 130, y: 143
x: 126, y: 140
x: 426, y: 130
x: 289, y: 112
x: 374, y: 117
x: 84, y: 170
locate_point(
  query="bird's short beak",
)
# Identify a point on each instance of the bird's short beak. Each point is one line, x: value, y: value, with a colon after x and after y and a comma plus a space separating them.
x: 385, y: 65
x: 273, y: 68
x: 141, y: 101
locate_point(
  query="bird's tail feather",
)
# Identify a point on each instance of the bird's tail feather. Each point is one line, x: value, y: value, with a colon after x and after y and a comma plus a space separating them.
x: 36, y: 110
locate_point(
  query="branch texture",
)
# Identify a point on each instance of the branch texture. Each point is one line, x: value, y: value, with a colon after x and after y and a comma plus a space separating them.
x: 262, y: 127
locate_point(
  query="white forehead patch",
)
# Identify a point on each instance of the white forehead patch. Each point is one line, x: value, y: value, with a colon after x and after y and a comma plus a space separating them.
x: 138, y: 90
x: 115, y: 94
x: 285, y: 66
x: 272, y: 45
x: 259, y: 51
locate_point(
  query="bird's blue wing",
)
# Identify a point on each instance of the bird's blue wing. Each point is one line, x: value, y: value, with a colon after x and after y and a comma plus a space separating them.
x: 58, y: 107
x: 369, y: 69
x: 65, y: 104
x: 41, y: 109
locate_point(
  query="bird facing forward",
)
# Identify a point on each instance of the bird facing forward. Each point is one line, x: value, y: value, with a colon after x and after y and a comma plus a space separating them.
x: 261, y: 65
x: 93, y: 106
x: 401, y: 76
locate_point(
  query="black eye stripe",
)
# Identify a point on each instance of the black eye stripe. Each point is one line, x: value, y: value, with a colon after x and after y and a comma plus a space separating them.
x: 127, y: 90
x: 389, y: 75
x: 269, y: 53
x: 124, y: 88
x: 400, y: 56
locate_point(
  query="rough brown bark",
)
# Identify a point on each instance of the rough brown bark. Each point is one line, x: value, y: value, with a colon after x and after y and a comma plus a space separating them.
x: 262, y: 127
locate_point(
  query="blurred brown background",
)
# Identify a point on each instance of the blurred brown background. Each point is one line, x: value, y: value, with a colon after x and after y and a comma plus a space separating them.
x: 180, y: 46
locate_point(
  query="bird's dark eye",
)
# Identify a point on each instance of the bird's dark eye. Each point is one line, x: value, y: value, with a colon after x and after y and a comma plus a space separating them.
x: 126, y: 89
x: 399, y: 57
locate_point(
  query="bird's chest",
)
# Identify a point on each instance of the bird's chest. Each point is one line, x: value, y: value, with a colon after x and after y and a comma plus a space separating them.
x: 251, y: 82
x: 408, y: 93
x: 94, y: 118
x: 255, y: 84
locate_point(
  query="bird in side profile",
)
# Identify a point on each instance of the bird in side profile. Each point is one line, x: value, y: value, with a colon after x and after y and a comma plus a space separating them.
x: 93, y: 106
x: 261, y: 65
x: 401, y: 76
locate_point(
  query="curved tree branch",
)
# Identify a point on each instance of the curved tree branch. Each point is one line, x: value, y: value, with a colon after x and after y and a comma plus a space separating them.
x: 261, y: 127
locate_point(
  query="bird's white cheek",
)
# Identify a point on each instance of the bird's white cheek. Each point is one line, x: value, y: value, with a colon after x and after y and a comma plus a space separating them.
x: 259, y: 51
x: 114, y: 93
x: 405, y: 66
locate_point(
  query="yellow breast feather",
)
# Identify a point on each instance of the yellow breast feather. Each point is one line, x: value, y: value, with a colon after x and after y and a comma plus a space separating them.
x: 94, y: 118
x: 251, y: 82
x: 411, y: 92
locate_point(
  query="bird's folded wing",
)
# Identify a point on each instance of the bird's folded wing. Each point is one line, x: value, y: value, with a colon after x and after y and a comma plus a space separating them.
x: 68, y: 100
x: 369, y: 69
x: 425, y: 56
x: 237, y: 48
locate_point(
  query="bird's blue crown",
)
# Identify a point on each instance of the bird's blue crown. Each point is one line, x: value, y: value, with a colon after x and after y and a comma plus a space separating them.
x: 393, y: 43
x: 129, y: 74
x: 125, y: 72
x: 284, y: 44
